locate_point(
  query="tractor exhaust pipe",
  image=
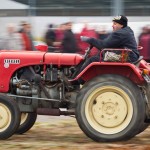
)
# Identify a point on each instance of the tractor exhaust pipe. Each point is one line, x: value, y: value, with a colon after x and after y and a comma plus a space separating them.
x: 55, y: 112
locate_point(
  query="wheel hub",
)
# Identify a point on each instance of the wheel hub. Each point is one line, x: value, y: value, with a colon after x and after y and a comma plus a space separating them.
x: 4, y: 116
x: 109, y: 109
x: 24, y: 116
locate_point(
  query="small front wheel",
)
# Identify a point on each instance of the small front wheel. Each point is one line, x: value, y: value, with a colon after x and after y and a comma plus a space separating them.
x: 9, y: 117
x: 27, y: 121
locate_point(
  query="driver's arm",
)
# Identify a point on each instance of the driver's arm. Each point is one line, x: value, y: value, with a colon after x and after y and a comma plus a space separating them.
x: 112, y: 41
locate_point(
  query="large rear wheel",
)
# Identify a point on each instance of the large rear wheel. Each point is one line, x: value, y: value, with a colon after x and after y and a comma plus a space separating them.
x: 109, y: 109
x: 9, y: 117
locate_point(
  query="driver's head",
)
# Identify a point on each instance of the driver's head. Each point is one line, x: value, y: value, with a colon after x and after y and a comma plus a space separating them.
x: 119, y: 22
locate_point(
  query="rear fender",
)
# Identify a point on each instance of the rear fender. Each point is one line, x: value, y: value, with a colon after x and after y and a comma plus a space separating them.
x: 124, y: 69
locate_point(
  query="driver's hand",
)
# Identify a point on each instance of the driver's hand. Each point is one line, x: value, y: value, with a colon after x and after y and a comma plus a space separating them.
x: 84, y: 38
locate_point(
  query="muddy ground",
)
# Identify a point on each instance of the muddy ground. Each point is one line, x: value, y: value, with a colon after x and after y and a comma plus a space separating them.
x: 63, y: 133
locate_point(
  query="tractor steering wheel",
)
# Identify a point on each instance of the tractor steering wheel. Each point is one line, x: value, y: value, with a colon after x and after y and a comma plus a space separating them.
x: 87, y: 52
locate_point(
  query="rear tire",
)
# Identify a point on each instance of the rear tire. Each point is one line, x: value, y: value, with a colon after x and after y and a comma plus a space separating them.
x: 27, y: 121
x: 9, y: 117
x: 110, y: 108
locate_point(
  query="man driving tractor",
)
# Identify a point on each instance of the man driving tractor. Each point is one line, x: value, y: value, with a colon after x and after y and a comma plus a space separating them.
x: 121, y: 37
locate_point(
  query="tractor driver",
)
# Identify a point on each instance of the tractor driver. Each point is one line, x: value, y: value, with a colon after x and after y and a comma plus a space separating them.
x: 121, y: 37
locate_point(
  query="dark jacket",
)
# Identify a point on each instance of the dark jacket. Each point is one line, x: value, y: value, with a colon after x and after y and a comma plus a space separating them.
x: 50, y: 37
x: 69, y: 43
x: 123, y: 38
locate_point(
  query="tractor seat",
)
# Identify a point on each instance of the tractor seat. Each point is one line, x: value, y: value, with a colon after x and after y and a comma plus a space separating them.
x: 137, y: 62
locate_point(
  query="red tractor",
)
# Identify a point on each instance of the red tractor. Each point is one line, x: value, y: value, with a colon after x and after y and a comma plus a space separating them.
x: 113, y: 104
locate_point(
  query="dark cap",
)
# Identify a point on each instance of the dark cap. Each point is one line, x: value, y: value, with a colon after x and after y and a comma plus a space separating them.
x: 121, y: 20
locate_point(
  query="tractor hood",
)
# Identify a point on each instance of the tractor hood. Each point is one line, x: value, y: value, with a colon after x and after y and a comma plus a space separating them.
x: 63, y: 59
x: 21, y: 58
x: 11, y: 60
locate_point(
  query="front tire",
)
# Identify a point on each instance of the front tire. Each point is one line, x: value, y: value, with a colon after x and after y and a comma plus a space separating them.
x: 27, y: 121
x: 9, y: 117
x: 110, y: 108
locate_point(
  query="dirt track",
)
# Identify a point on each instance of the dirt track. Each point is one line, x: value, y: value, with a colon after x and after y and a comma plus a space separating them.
x: 63, y: 133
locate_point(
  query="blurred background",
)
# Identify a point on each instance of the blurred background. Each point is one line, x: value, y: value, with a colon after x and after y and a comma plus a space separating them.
x: 40, y: 13
x: 94, y: 14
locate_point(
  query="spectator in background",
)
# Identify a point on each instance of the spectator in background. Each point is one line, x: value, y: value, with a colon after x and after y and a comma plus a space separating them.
x: 12, y: 40
x: 144, y: 41
x: 145, y: 31
x: 59, y: 37
x: 102, y: 33
x: 50, y: 37
x: 25, y: 32
x: 86, y: 31
x: 69, y: 43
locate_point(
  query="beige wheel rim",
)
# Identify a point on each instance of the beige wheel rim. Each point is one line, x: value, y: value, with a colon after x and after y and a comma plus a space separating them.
x: 108, y: 110
x: 5, y: 117
x: 24, y: 117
